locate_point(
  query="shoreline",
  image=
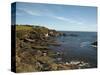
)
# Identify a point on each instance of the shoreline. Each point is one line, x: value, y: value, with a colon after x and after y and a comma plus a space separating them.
x: 32, y: 43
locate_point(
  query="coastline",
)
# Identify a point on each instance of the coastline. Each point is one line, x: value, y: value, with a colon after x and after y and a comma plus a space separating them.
x: 33, y: 42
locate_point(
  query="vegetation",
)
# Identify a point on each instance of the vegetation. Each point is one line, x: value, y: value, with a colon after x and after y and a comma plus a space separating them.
x: 32, y: 50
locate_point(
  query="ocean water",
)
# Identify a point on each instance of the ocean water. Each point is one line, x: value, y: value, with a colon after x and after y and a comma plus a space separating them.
x: 77, y: 46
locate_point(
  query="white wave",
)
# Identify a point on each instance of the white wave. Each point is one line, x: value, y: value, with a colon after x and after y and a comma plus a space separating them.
x: 86, y: 43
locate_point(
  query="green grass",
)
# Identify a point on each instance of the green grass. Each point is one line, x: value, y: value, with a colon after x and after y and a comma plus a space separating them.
x: 23, y: 27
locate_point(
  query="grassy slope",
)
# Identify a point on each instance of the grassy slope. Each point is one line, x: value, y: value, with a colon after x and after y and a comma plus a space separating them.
x: 33, y: 53
x: 33, y: 56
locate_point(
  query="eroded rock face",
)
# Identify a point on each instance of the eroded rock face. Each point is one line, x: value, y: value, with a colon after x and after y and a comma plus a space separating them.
x: 32, y: 49
x: 33, y: 53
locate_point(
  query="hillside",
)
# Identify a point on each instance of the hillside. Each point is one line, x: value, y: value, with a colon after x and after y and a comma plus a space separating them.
x: 33, y: 53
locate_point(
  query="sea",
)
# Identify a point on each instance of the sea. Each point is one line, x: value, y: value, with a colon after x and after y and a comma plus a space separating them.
x: 76, y: 46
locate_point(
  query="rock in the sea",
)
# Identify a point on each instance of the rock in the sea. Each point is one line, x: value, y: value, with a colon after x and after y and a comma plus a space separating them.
x: 94, y: 44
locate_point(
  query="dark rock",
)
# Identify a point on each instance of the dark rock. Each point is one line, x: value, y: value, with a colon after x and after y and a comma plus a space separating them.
x: 94, y: 43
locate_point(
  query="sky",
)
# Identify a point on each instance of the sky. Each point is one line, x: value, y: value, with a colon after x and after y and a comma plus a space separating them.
x: 58, y: 17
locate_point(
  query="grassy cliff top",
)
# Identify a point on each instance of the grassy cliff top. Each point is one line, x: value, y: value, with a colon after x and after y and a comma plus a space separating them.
x: 23, y: 27
x: 39, y: 29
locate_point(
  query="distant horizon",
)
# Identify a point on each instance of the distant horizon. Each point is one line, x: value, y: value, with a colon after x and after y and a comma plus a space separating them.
x: 58, y: 17
x: 54, y: 29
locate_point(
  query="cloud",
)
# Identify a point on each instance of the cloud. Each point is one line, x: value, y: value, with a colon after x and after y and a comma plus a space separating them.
x: 67, y: 20
x: 61, y: 18
x: 48, y: 13
x: 30, y: 12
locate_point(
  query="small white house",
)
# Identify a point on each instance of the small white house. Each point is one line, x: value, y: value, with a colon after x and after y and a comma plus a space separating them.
x: 46, y: 35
